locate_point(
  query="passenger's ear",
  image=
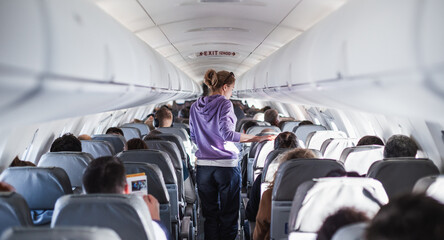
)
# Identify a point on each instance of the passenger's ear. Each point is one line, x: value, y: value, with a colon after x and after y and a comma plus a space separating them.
x: 126, y: 188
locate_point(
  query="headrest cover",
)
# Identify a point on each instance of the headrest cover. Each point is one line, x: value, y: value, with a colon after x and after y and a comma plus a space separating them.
x: 74, y: 164
x: 39, y: 186
x: 117, y: 141
x: 130, y: 133
x: 14, y: 211
x: 97, y: 148
x: 127, y: 215
x: 66, y: 233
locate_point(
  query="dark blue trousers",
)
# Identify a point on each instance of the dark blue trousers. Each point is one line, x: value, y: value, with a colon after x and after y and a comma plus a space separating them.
x: 219, y: 194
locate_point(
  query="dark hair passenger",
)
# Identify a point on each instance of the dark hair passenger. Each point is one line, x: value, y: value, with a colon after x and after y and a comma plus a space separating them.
x: 400, y: 146
x: 67, y: 142
x: 115, y: 131
x: 370, y: 140
x: 212, y: 128
x: 286, y: 140
x: 134, y: 144
x: 344, y: 216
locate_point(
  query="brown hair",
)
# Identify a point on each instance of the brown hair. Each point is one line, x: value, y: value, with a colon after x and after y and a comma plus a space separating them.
x: 135, y: 144
x: 292, y: 154
x: 215, y: 80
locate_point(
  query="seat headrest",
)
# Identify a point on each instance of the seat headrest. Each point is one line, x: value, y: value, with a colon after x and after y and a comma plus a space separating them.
x: 254, y: 130
x: 143, y: 128
x: 169, y: 147
x: 127, y: 215
x: 130, y: 133
x: 182, y: 133
x: 176, y: 140
x: 14, y: 211
x: 351, y: 232
x: 117, y: 141
x: 294, y: 172
x: 39, y: 186
x: 156, y: 184
x: 302, y: 132
x: 97, y: 148
x: 157, y: 157
x: 74, y: 164
x: 68, y: 233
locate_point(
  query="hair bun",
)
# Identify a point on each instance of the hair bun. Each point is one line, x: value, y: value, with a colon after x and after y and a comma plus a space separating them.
x: 211, y: 78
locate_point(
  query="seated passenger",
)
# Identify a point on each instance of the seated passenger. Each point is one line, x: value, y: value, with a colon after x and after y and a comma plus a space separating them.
x: 400, y: 146
x: 341, y: 218
x: 6, y: 187
x: 134, y: 144
x: 67, y: 142
x: 107, y: 175
x: 263, y: 218
x: 285, y: 140
x: 84, y: 137
x: 408, y: 217
x: 164, y: 117
x: 272, y: 116
x: 115, y: 131
x: 305, y: 122
x: 370, y: 140
x: 248, y: 125
x: 19, y: 163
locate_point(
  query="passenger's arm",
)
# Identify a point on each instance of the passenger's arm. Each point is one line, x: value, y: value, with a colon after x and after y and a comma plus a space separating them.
x: 153, y: 206
x: 252, y: 138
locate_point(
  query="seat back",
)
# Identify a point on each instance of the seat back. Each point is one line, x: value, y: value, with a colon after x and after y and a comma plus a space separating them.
x: 399, y: 175
x: 264, y: 148
x: 240, y: 123
x: 127, y: 215
x: 333, y: 147
x: 156, y: 187
x: 117, y: 141
x: 423, y: 184
x: 303, y: 131
x: 161, y: 159
x: 317, y: 138
x: 270, y: 158
x: 289, y: 176
x: 176, y: 140
x: 74, y: 164
x: 351, y: 232
x: 257, y: 129
x: 182, y: 133
x: 14, y: 211
x: 143, y: 128
x: 435, y: 189
x: 130, y: 133
x: 360, y: 158
x: 66, y: 233
x: 288, y: 126
x: 97, y: 148
x: 319, y: 198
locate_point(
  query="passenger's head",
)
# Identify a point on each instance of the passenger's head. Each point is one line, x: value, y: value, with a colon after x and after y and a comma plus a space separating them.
x: 249, y: 124
x: 184, y: 113
x: 339, y: 219
x: 342, y: 173
x: 115, y: 131
x: 67, y: 142
x: 400, y: 146
x: 135, y: 144
x: 84, y: 137
x: 19, y: 163
x: 370, y: 140
x: 285, y: 140
x: 408, y: 217
x: 305, y: 122
x: 164, y: 117
x: 272, y: 116
x: 104, y: 175
x: 5, y: 187
x: 221, y: 82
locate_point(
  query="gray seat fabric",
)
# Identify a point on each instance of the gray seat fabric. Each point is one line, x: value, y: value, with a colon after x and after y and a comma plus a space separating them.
x: 303, y: 131
x: 423, y: 184
x: 143, y: 128
x: 117, y: 141
x: 182, y: 133
x: 270, y: 158
x: 161, y: 159
x: 127, y: 215
x: 259, y: 161
x: 176, y: 140
x: 97, y: 148
x: 399, y: 175
x: 351, y: 232
x: 257, y: 129
x: 317, y: 199
x: 74, y: 164
x: 156, y: 187
x: 65, y: 233
x: 240, y: 123
x: 14, y: 211
x: 360, y: 158
x: 40, y: 187
x: 130, y: 133
x: 289, y: 176
x: 289, y: 126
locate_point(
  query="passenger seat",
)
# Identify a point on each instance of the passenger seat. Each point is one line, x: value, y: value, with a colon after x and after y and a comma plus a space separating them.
x: 58, y: 233
x: 303, y: 131
x: 117, y: 141
x: 130, y: 133
x: 14, y: 211
x: 97, y: 148
x: 360, y: 158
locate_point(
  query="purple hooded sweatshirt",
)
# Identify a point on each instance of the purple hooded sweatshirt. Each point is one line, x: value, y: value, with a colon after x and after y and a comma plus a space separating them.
x: 212, y: 128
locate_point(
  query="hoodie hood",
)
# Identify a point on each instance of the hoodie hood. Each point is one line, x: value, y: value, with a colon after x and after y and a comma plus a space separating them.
x: 207, y: 106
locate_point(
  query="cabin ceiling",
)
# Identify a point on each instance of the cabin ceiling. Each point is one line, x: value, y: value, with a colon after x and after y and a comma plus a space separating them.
x: 243, y: 32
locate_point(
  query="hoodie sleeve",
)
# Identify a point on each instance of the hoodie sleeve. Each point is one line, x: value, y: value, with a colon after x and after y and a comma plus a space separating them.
x: 191, y: 124
x: 227, y: 123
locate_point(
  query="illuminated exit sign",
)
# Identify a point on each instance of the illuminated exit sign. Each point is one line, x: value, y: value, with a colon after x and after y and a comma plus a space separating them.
x: 216, y: 54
